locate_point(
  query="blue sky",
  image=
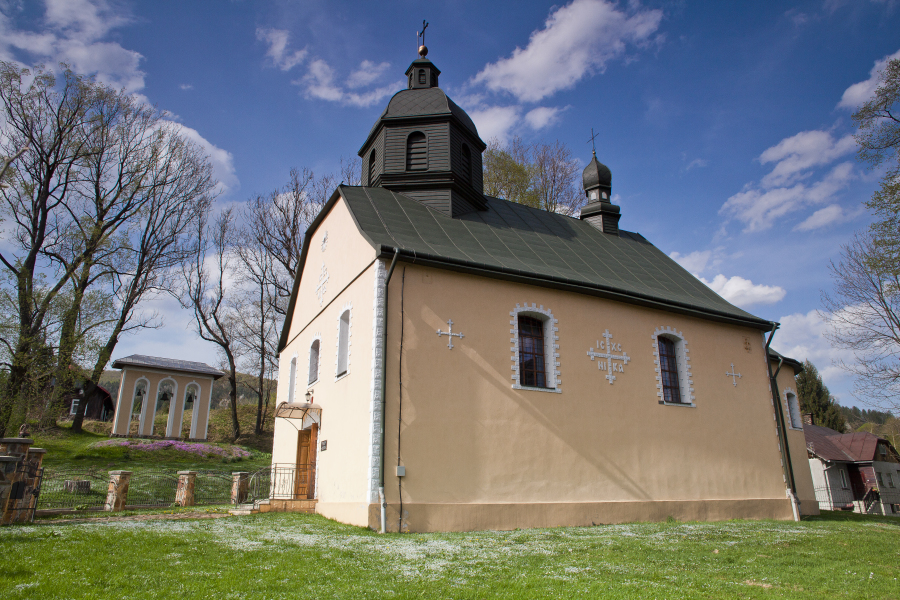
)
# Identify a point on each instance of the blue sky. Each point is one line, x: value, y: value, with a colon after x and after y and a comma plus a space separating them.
x: 725, y: 124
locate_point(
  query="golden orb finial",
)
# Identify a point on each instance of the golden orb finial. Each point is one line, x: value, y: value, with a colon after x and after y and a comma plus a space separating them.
x: 423, y: 50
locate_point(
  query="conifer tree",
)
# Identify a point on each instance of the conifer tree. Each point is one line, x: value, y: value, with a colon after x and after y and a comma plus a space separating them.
x: 816, y: 399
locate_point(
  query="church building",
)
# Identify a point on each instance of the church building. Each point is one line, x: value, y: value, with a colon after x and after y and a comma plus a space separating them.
x: 452, y: 361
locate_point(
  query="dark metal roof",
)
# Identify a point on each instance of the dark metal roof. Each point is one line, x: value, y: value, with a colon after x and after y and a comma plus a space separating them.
x: 791, y: 362
x: 596, y: 173
x: 829, y: 444
x: 422, y: 103
x: 168, y: 364
x: 514, y: 241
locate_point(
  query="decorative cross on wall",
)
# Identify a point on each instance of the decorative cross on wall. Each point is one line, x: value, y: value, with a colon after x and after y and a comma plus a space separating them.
x: 323, y: 279
x: 608, y: 365
x: 732, y: 375
x: 450, y: 334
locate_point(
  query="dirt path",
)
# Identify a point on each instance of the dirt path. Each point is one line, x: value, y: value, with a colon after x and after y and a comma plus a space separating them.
x: 147, y: 517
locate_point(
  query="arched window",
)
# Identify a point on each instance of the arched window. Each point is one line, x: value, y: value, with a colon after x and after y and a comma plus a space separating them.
x: 466, y: 164
x: 314, y: 362
x: 536, y: 350
x: 343, y: 343
x: 191, y: 393
x: 372, y: 168
x: 794, y: 410
x: 165, y: 393
x: 140, y: 393
x: 668, y: 370
x: 532, y: 362
x: 416, y: 152
x: 673, y: 370
x: 421, y: 76
x: 292, y: 380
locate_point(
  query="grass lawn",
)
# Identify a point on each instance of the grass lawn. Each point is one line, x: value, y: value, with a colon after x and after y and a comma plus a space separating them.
x: 307, y: 556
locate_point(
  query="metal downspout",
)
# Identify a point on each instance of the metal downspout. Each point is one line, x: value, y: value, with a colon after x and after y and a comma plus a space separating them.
x: 381, y: 497
x: 782, y: 432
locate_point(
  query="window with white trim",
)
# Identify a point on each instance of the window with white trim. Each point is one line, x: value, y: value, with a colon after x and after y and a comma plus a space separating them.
x: 313, y: 362
x: 75, y: 403
x: 343, y: 357
x: 674, y: 383
x: 292, y: 380
x: 535, y: 349
x: 844, y: 483
x: 794, y: 410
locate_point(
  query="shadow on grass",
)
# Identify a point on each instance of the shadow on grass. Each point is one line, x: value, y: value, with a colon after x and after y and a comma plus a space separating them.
x: 847, y: 516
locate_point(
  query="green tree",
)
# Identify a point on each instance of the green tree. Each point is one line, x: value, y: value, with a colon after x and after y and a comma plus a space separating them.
x: 815, y: 398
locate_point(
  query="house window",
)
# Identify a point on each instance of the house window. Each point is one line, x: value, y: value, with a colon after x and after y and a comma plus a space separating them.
x: 890, y: 479
x: 421, y: 76
x: 668, y: 367
x: 794, y: 411
x: 372, y: 168
x: 535, y: 349
x: 879, y: 478
x: 416, y: 152
x: 532, y: 364
x: 75, y: 403
x: 466, y: 164
x: 292, y: 380
x: 313, y: 362
x: 673, y: 367
x: 343, y: 358
x: 844, y: 483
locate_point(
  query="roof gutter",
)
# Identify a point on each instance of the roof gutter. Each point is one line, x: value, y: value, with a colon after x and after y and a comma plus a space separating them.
x: 782, y: 431
x: 381, y: 497
x: 507, y: 273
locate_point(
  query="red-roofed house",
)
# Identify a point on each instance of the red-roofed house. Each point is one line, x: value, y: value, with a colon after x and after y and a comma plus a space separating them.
x: 853, y: 471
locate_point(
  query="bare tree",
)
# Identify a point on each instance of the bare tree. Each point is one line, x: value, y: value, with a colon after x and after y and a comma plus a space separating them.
x: 864, y: 314
x: 539, y: 175
x: 210, y: 294
x: 49, y: 119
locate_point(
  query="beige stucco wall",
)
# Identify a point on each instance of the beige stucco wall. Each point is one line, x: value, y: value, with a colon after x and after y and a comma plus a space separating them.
x: 470, y: 439
x: 797, y: 443
x: 342, y: 471
x: 130, y: 378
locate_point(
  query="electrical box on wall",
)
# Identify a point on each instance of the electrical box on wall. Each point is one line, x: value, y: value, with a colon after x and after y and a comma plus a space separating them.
x: 401, y: 471
x: 324, y: 445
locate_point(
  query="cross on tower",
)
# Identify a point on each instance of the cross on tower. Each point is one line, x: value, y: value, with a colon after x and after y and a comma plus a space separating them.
x: 450, y: 334
x: 591, y: 141
x: 323, y: 279
x: 732, y: 375
x: 608, y: 364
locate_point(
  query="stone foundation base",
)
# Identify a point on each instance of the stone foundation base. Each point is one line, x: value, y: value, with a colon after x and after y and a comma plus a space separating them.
x: 475, y: 517
x: 301, y: 506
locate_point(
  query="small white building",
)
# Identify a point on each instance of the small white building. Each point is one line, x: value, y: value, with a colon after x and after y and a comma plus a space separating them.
x: 853, y: 471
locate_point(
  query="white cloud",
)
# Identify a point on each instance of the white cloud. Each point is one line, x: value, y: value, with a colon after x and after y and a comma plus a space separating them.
x: 697, y: 162
x: 802, y: 336
x: 695, y: 262
x: 786, y: 189
x: 495, y: 121
x: 277, y: 40
x: 542, y: 117
x: 821, y: 218
x: 367, y: 73
x: 794, y: 156
x: 221, y: 160
x: 73, y: 34
x: 858, y: 93
x: 578, y: 39
x: 319, y: 83
x: 743, y: 292
x: 186, y: 86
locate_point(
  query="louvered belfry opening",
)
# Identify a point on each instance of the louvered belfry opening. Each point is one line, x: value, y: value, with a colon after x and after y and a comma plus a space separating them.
x: 466, y: 164
x: 416, y: 152
x: 372, y: 158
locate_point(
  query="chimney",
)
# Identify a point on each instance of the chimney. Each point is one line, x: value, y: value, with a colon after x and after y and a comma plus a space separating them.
x: 808, y: 419
x: 599, y: 211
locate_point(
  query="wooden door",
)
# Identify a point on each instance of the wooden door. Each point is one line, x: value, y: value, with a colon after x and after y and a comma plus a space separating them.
x: 305, y: 478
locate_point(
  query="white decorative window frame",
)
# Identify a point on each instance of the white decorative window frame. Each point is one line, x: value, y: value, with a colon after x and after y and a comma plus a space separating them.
x: 683, y: 361
x: 316, y: 336
x: 292, y: 385
x: 74, y: 408
x: 551, y: 346
x: 152, y: 415
x: 195, y: 410
x: 346, y: 308
x: 787, y: 404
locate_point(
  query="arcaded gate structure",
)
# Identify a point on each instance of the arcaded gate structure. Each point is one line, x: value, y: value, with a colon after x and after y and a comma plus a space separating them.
x: 150, y: 384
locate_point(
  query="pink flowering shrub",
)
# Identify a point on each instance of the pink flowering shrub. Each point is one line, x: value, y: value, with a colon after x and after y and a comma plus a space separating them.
x: 198, y: 448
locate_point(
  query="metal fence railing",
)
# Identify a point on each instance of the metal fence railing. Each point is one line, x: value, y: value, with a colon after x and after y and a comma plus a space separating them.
x: 831, y: 498
x: 212, y: 487
x: 78, y: 489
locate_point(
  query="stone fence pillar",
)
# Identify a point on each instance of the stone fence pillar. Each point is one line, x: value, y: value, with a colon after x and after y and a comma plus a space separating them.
x: 117, y: 494
x: 239, y: 483
x: 184, y: 495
